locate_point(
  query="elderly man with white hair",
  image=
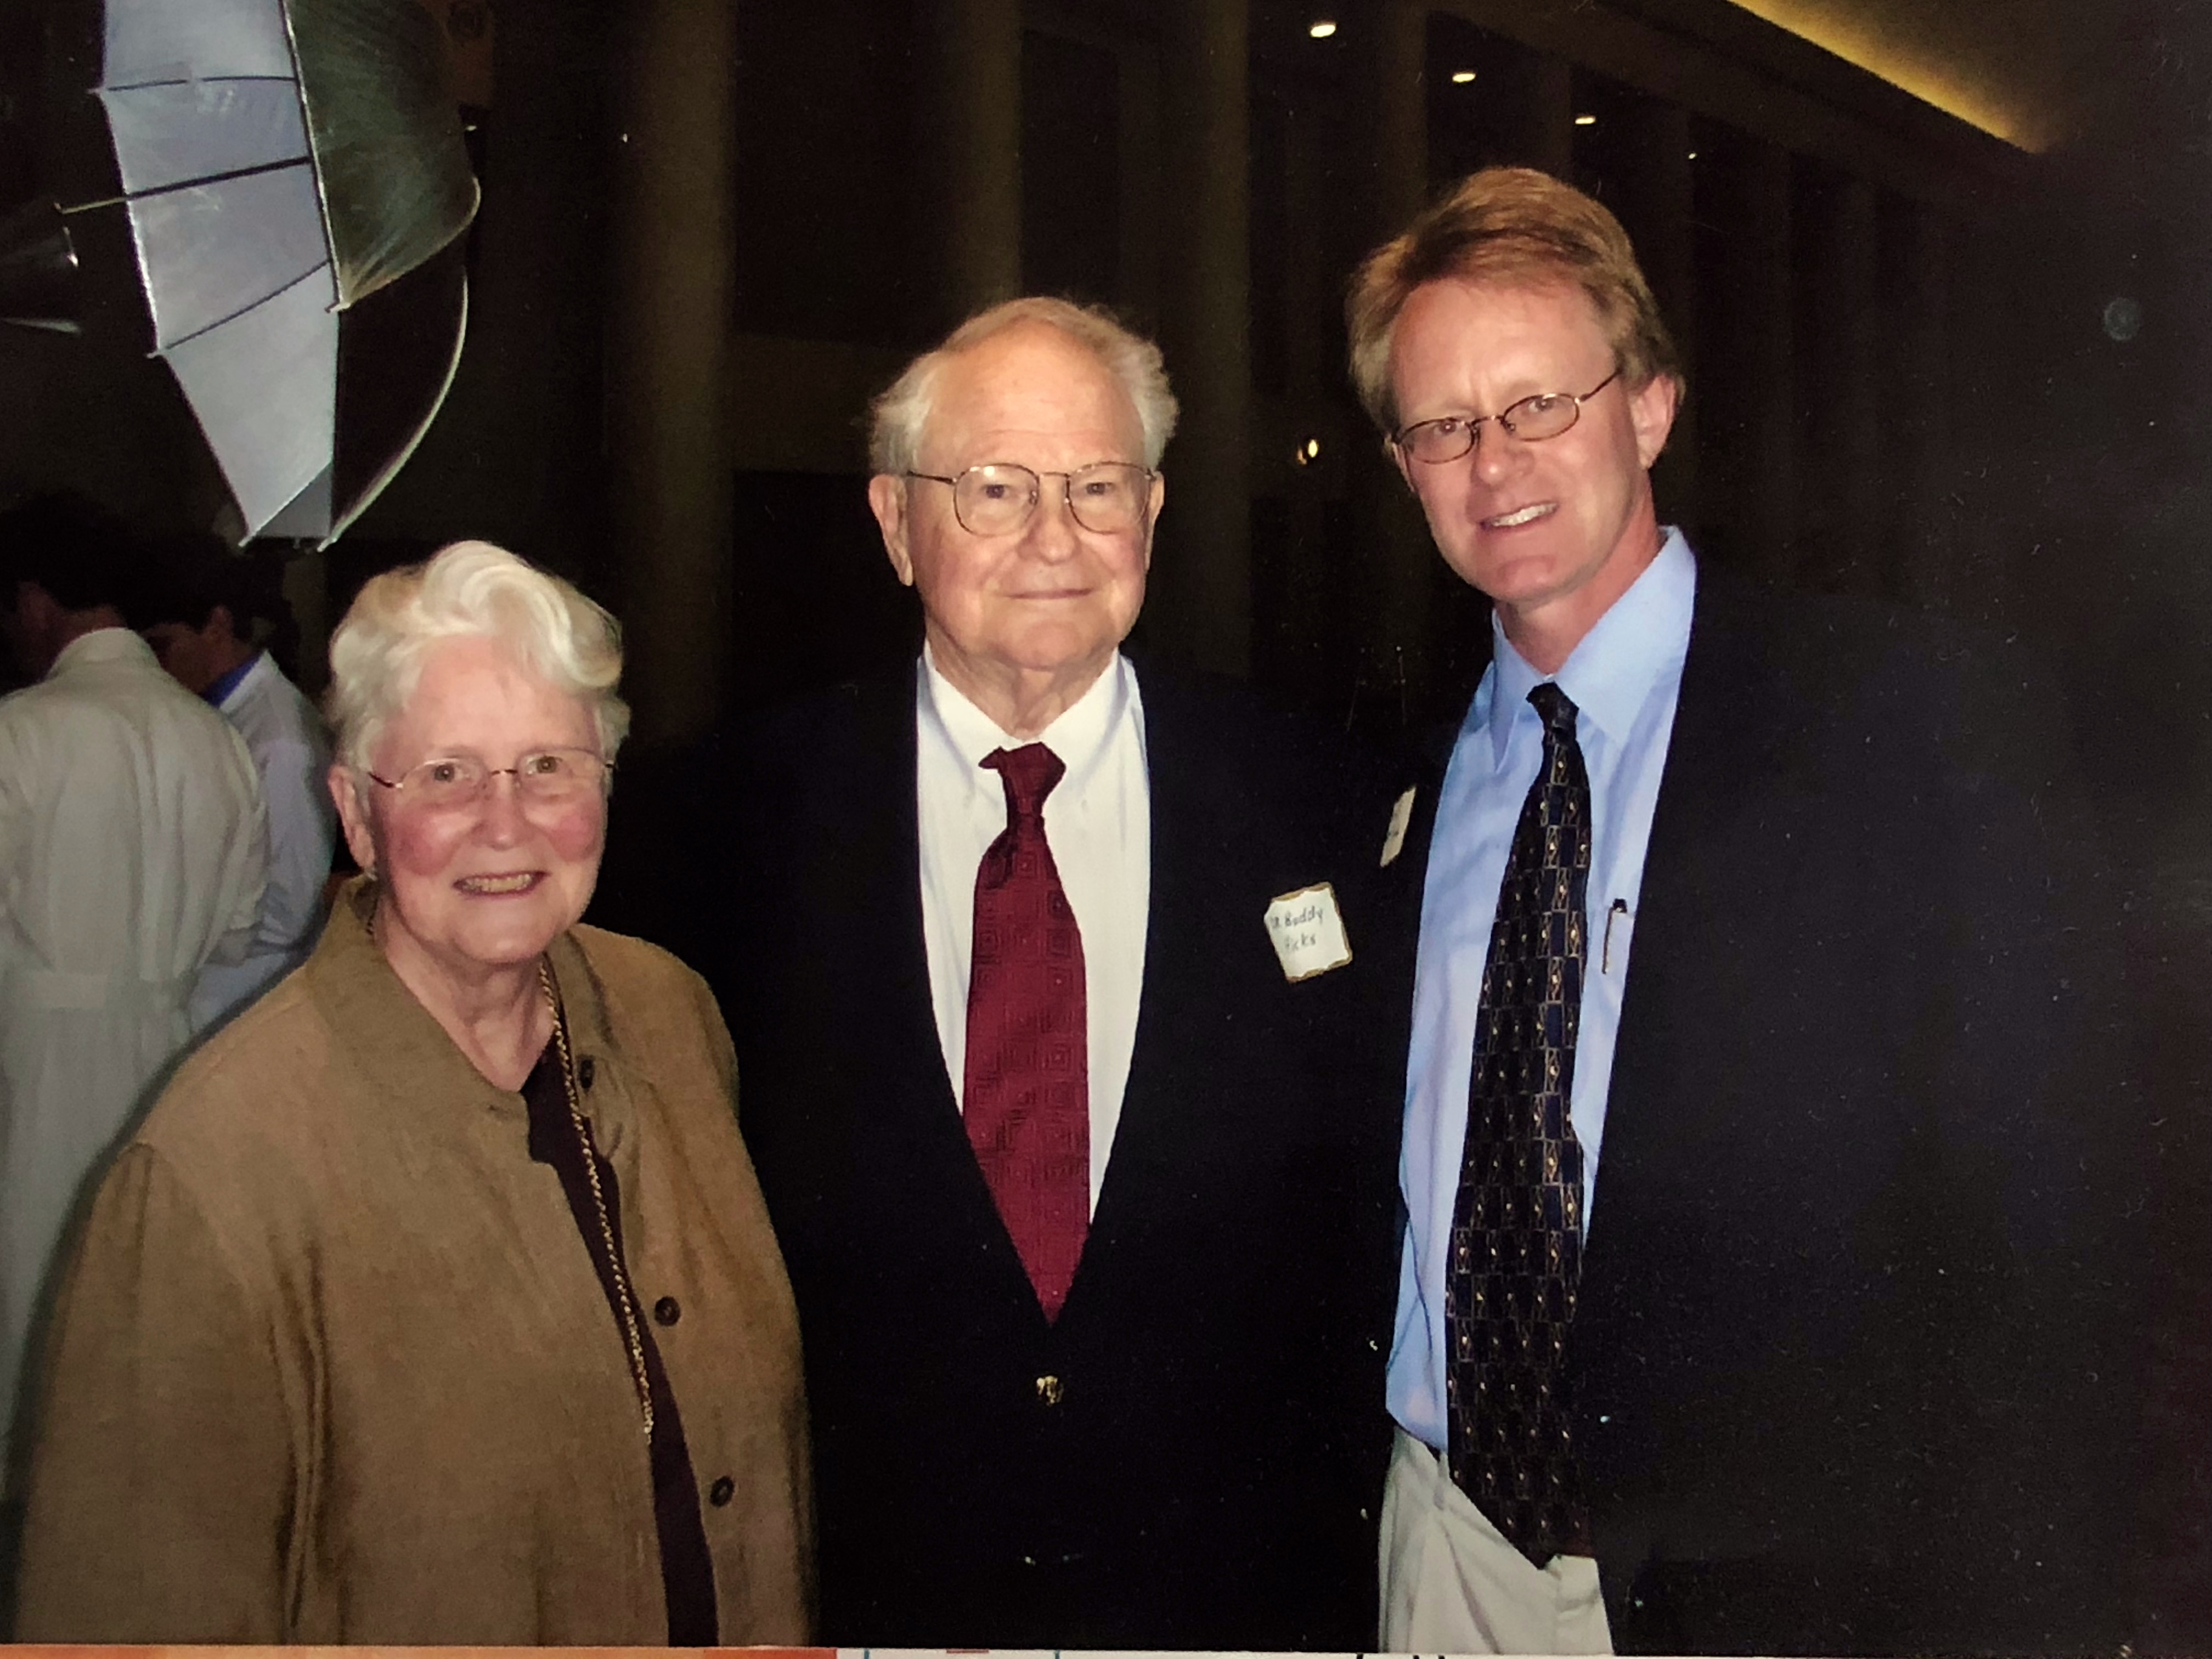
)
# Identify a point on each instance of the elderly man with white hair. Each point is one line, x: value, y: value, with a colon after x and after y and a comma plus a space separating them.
x: 1067, y: 1076
x: 434, y: 1301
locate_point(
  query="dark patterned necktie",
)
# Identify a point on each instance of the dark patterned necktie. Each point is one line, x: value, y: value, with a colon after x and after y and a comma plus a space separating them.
x: 1516, y: 1222
x: 1027, y: 1099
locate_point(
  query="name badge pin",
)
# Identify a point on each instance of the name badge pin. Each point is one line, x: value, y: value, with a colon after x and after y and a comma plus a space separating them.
x: 1307, y: 929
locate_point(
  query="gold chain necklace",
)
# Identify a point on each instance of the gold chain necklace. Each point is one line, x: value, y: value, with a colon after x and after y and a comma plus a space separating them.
x: 625, y: 1302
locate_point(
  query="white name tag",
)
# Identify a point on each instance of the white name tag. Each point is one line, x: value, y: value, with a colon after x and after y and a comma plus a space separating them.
x: 1393, y: 838
x: 1308, y: 931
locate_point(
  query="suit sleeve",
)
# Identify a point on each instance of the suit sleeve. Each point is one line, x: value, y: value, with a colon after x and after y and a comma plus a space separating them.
x: 160, y: 1496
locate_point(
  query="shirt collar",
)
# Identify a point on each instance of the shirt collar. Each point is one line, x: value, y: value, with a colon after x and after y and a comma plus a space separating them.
x: 224, y: 684
x: 103, y: 645
x: 1636, y: 643
x: 1080, y: 736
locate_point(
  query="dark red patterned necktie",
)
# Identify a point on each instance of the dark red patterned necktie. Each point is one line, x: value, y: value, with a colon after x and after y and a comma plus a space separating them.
x: 1027, y: 1098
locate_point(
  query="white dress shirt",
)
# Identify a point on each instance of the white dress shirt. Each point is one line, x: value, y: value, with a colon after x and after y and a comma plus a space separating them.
x: 290, y: 750
x: 1098, y: 821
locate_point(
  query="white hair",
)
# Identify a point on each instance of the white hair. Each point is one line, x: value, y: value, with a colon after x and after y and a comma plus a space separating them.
x: 471, y: 590
x: 901, y: 415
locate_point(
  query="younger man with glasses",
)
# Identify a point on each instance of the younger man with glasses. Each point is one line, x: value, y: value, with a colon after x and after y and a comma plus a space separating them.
x: 1824, y: 1362
x: 1054, y: 981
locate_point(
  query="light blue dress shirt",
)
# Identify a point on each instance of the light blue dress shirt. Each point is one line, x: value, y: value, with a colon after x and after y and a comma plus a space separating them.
x: 1624, y: 677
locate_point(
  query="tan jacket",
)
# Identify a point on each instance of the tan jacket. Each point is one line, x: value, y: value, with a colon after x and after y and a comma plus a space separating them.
x: 332, y: 1363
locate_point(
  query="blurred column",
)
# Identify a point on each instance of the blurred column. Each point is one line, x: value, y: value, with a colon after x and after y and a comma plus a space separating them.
x: 1841, y: 468
x: 968, y: 150
x: 1201, y: 607
x: 668, y: 343
x: 1749, y: 424
x: 538, y: 263
x: 1544, y: 120
x: 1399, y: 570
x: 1657, y: 206
x: 1392, y: 55
x: 307, y: 589
x: 1919, y: 523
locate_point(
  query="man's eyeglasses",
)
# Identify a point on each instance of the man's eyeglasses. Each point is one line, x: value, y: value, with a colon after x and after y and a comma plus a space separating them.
x: 550, y: 777
x: 999, y: 496
x: 1532, y: 420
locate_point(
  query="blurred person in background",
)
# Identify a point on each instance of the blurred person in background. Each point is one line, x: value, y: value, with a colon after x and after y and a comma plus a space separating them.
x: 435, y: 1302
x: 131, y: 850
x: 199, y: 618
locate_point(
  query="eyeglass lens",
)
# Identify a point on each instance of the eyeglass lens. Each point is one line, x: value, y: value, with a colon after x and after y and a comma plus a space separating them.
x: 999, y: 496
x: 552, y: 775
x: 1532, y: 420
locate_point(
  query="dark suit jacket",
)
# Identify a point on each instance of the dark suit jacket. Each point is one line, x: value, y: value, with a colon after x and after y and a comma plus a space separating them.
x: 1843, y: 1361
x: 1206, y: 1470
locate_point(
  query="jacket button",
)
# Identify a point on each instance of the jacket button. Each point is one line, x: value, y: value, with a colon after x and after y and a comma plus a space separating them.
x: 586, y: 1068
x: 1048, y: 1390
x: 666, y: 1311
x: 722, y: 1492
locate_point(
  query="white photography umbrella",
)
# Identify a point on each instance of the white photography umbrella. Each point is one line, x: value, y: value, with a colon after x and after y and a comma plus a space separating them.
x: 297, y: 188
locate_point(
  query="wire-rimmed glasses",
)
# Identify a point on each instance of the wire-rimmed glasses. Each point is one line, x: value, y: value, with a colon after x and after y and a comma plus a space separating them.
x: 546, y: 777
x: 1532, y: 420
x: 997, y: 497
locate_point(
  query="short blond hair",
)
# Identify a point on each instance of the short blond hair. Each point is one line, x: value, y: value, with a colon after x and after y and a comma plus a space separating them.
x: 900, y: 415
x: 470, y: 590
x: 1510, y: 226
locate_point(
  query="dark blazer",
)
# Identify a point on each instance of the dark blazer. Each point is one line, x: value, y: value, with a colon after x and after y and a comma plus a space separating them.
x: 1192, y: 1455
x: 1843, y: 1368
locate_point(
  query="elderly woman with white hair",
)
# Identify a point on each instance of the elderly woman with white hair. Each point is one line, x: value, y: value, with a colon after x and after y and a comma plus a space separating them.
x: 435, y: 1302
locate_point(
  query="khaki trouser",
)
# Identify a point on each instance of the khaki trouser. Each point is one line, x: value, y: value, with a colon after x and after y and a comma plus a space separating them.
x: 1452, y: 1584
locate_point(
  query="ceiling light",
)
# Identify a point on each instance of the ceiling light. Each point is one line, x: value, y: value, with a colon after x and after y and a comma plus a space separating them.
x: 1321, y: 29
x: 1586, y: 120
x: 1461, y: 77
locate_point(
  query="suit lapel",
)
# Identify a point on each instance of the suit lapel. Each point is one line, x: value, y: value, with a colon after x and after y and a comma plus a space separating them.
x: 1123, y: 1200
x: 1161, y: 1113
x: 889, y: 848
x: 1732, y: 742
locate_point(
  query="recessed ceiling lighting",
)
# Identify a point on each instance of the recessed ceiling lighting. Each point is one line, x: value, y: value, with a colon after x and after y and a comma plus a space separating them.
x: 1586, y: 120
x: 1461, y: 77
x: 1693, y: 155
x: 1321, y: 29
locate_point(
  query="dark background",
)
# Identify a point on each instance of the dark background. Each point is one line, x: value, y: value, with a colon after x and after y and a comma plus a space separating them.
x: 1959, y: 368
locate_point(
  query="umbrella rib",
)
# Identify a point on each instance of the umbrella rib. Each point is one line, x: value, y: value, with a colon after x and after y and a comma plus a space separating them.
x: 209, y: 328
x: 195, y: 80
x: 299, y: 160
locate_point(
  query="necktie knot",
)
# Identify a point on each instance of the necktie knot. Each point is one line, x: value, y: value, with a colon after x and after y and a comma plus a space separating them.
x: 1029, y: 774
x: 1556, y: 709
